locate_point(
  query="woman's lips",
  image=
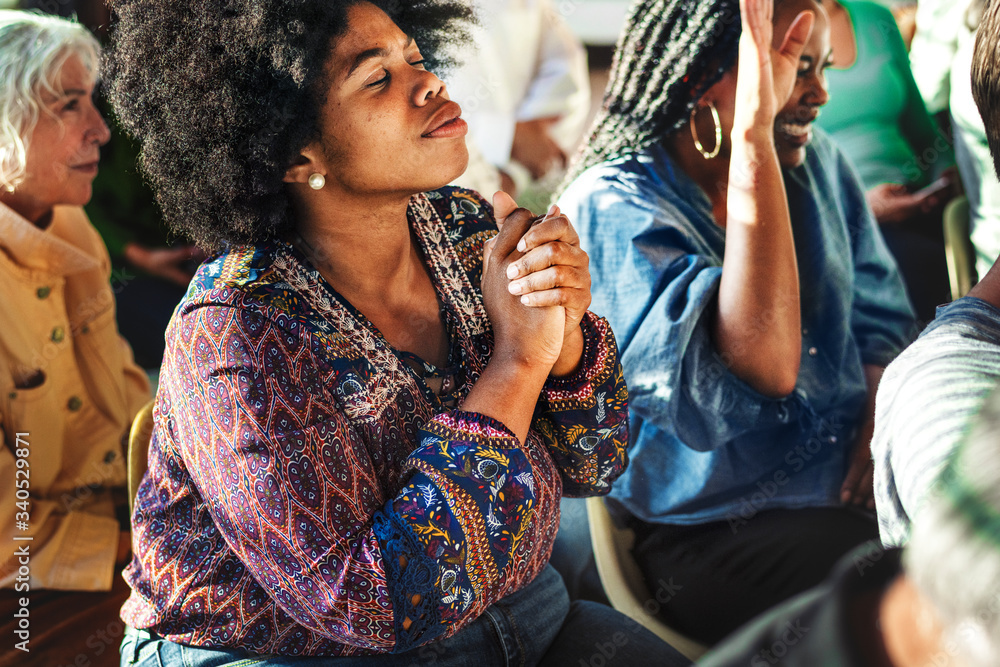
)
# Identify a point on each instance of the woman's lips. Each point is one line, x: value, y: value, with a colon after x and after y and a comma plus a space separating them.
x: 456, y: 127
x: 89, y: 168
x: 798, y: 134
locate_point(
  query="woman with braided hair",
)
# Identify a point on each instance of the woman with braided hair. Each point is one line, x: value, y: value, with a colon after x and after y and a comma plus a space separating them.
x: 755, y: 303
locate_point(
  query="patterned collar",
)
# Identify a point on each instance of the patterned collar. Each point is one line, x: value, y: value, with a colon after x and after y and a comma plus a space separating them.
x: 466, y: 318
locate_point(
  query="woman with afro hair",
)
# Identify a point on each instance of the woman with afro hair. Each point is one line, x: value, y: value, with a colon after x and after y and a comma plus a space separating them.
x: 371, y: 402
x: 756, y: 304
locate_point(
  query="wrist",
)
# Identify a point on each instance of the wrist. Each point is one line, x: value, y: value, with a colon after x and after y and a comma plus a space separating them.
x: 570, y: 356
x: 513, y: 363
x: 755, y: 131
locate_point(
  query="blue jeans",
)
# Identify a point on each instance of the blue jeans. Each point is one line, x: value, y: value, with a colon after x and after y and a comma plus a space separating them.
x: 535, y: 626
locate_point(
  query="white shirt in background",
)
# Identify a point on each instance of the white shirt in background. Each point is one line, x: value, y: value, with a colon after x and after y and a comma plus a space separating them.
x: 524, y: 64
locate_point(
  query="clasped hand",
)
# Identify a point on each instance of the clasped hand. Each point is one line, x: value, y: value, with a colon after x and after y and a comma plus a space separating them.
x: 536, y: 287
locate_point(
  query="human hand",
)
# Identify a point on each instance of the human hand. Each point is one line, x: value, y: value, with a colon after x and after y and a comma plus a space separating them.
x: 554, y: 271
x: 534, y: 147
x: 766, y: 76
x: 893, y: 203
x: 530, y: 335
x: 168, y: 263
x: 858, y: 487
x: 507, y: 183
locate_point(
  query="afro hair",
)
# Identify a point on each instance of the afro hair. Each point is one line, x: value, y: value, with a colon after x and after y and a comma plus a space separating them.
x: 223, y: 95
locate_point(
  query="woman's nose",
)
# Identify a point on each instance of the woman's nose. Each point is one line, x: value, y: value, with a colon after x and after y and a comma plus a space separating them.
x: 98, y: 130
x: 820, y: 95
x: 428, y: 86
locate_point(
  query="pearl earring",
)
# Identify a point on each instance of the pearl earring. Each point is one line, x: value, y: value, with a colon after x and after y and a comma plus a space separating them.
x: 317, y: 181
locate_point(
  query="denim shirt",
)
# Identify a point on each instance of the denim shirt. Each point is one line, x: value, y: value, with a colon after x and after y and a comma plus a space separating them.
x: 705, y: 446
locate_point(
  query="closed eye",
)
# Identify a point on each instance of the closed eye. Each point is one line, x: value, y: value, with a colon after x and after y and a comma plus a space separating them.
x: 383, y: 80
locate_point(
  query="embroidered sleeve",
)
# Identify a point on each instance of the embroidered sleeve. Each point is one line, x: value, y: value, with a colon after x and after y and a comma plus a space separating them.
x: 584, y: 417
x: 465, y: 510
x: 291, y: 485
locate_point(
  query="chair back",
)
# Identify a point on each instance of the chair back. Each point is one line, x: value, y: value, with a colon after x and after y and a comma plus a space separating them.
x: 138, y: 449
x: 959, y: 252
x: 623, y: 581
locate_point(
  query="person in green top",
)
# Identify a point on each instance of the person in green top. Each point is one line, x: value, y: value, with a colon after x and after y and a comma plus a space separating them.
x: 878, y: 118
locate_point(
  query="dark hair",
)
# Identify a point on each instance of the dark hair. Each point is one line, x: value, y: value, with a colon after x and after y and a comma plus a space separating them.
x: 223, y: 95
x: 986, y: 77
x: 669, y: 53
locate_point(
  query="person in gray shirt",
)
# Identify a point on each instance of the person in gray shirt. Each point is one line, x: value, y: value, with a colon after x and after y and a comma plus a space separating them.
x: 929, y: 393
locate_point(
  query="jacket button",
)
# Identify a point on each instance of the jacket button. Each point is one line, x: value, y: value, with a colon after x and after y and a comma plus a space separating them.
x: 43, y: 292
x: 813, y: 351
x: 74, y: 404
x: 58, y: 334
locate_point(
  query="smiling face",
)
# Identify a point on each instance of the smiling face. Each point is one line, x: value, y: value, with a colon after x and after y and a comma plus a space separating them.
x: 387, y: 126
x: 63, y: 148
x: 793, y: 124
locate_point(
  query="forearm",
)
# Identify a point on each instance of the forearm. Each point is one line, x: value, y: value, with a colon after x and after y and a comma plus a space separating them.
x: 757, y: 328
x: 508, y: 392
x: 873, y: 376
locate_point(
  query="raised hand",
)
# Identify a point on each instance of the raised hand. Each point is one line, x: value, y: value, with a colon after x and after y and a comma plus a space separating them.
x: 766, y: 75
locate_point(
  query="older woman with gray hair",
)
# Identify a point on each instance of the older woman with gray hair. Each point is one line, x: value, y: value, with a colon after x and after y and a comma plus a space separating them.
x: 68, y: 385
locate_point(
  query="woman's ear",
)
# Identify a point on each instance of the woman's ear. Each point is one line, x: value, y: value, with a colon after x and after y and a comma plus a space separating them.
x: 304, y: 166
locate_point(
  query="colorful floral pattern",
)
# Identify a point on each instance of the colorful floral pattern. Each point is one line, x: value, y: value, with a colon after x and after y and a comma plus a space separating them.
x: 307, y: 494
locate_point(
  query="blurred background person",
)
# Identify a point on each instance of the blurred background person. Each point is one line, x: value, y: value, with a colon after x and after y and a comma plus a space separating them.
x: 972, y: 149
x: 151, y: 269
x: 68, y: 385
x: 931, y: 391
x: 877, y: 116
x: 941, y: 57
x: 525, y: 92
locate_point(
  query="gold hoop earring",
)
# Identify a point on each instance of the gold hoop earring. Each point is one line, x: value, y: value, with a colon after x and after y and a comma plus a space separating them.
x: 708, y: 155
x: 317, y: 181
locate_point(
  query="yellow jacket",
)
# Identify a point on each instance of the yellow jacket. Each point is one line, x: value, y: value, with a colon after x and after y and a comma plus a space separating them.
x: 69, y: 387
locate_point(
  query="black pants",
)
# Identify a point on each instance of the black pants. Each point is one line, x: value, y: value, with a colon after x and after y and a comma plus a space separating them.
x: 715, y: 579
x: 918, y: 247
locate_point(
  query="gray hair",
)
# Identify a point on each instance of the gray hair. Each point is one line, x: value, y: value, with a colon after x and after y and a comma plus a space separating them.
x: 953, y: 556
x: 33, y: 50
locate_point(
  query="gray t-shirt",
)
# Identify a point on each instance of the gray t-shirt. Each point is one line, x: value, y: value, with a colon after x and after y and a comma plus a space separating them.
x: 925, y: 403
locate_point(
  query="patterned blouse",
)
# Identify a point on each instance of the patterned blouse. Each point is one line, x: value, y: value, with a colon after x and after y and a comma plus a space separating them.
x: 308, y: 494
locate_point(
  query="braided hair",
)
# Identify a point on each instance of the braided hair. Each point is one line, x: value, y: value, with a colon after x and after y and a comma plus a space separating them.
x: 669, y: 53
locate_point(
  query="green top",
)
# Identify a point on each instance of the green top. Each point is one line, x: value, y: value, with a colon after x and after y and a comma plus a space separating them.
x: 876, y: 113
